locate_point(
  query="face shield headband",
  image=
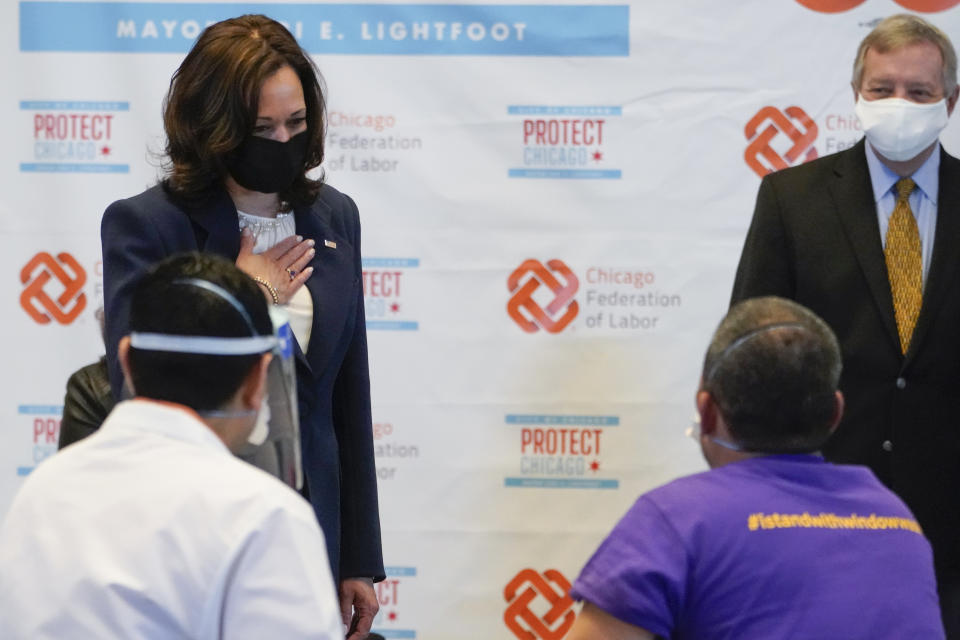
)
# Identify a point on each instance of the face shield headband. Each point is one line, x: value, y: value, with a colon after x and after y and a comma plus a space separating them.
x: 209, y: 345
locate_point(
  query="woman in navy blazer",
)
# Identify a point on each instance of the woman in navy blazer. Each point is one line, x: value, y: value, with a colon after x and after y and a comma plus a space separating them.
x: 244, y: 119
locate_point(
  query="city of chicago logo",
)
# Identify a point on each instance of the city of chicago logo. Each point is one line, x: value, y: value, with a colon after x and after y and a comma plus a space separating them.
x: 70, y: 136
x: 523, y: 589
x: 385, y: 284
x: 567, y: 142
x: 39, y: 303
x: 389, y: 622
x: 838, y: 6
x: 527, y: 312
x: 44, y: 423
x: 561, y: 451
x: 766, y: 125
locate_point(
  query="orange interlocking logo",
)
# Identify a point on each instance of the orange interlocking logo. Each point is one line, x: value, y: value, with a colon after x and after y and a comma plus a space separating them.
x: 777, y: 122
x: 831, y: 6
x: 837, y: 6
x: 37, y: 301
x: 524, y: 589
x: 526, y: 312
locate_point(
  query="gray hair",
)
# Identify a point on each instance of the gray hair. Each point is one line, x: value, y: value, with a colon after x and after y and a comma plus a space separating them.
x: 902, y: 30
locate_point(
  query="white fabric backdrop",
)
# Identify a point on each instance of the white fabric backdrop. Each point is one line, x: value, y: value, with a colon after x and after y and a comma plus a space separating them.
x: 602, y: 150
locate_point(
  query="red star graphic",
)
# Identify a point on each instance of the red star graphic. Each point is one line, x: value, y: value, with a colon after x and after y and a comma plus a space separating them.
x: 597, y: 156
x: 105, y: 150
x: 392, y: 616
x: 594, y: 466
x: 394, y: 308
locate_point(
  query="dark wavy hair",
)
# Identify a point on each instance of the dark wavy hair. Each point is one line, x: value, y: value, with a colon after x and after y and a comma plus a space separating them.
x: 212, y: 104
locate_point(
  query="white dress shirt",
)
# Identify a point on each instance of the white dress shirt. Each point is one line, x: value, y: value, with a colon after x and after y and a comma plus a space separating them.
x: 152, y: 529
x: 923, y: 200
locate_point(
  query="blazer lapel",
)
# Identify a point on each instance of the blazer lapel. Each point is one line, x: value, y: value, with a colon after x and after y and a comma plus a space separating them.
x: 217, y: 221
x: 946, y: 249
x: 331, y: 286
x: 853, y: 194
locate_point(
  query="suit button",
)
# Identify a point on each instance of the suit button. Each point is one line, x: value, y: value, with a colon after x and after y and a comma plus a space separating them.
x: 901, y: 383
x: 887, y: 445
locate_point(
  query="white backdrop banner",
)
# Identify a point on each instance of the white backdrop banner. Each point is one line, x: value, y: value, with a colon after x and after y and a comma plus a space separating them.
x: 553, y: 196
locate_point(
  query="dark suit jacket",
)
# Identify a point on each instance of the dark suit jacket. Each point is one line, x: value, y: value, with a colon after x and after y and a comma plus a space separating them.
x: 815, y: 239
x: 332, y: 378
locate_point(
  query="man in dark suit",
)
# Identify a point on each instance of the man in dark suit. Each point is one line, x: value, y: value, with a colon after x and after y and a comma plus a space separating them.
x: 869, y: 239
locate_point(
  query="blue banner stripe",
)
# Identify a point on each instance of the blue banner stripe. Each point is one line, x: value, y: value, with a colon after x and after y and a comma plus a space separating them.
x: 68, y: 105
x: 542, y: 110
x: 599, y: 421
x: 60, y: 167
x: 400, y: 572
x: 396, y: 633
x: 40, y: 409
x: 24, y: 471
x: 391, y: 262
x: 392, y: 325
x: 578, y: 174
x: 562, y: 483
x: 322, y: 28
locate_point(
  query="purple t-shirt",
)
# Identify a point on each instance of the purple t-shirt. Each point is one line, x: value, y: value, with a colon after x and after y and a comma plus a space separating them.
x: 770, y: 547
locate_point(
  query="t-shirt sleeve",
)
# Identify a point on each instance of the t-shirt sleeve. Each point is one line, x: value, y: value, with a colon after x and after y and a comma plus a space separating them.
x: 281, y: 585
x: 639, y: 572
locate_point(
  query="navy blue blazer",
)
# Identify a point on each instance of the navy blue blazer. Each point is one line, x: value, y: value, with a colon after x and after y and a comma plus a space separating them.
x: 333, y: 381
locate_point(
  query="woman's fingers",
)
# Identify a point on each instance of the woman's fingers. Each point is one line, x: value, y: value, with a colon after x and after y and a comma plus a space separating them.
x: 284, y: 265
x: 294, y: 285
x: 301, y: 262
x: 297, y: 252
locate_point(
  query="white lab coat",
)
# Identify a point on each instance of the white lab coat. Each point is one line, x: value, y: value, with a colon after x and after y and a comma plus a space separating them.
x: 151, y: 529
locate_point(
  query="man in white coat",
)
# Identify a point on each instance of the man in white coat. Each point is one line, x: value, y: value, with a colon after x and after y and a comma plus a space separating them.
x: 151, y: 528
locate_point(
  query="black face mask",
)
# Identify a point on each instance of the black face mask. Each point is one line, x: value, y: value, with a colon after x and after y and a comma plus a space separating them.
x: 268, y: 166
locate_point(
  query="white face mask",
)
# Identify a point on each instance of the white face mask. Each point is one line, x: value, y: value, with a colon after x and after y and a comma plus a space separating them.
x: 262, y: 427
x: 899, y: 129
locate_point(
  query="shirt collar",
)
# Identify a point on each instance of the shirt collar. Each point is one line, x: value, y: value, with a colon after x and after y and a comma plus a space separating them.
x: 883, y: 178
x: 165, y: 419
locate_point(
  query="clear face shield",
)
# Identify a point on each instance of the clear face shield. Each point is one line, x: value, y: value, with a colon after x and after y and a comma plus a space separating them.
x: 274, y: 443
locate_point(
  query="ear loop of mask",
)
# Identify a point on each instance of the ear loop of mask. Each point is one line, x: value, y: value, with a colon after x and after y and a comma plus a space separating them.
x: 694, y: 430
x: 209, y: 345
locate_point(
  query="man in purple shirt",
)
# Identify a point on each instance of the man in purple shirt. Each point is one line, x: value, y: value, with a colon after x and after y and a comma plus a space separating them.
x: 772, y: 542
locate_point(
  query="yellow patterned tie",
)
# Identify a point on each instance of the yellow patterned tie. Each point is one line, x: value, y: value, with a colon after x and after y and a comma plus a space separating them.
x: 904, y: 263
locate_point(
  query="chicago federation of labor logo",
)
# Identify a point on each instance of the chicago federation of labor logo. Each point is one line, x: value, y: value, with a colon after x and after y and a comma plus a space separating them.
x: 769, y: 123
x: 525, y: 588
x: 53, y: 288
x: 524, y: 282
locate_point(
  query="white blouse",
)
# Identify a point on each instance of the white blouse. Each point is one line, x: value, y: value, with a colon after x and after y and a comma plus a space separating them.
x: 267, y: 232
